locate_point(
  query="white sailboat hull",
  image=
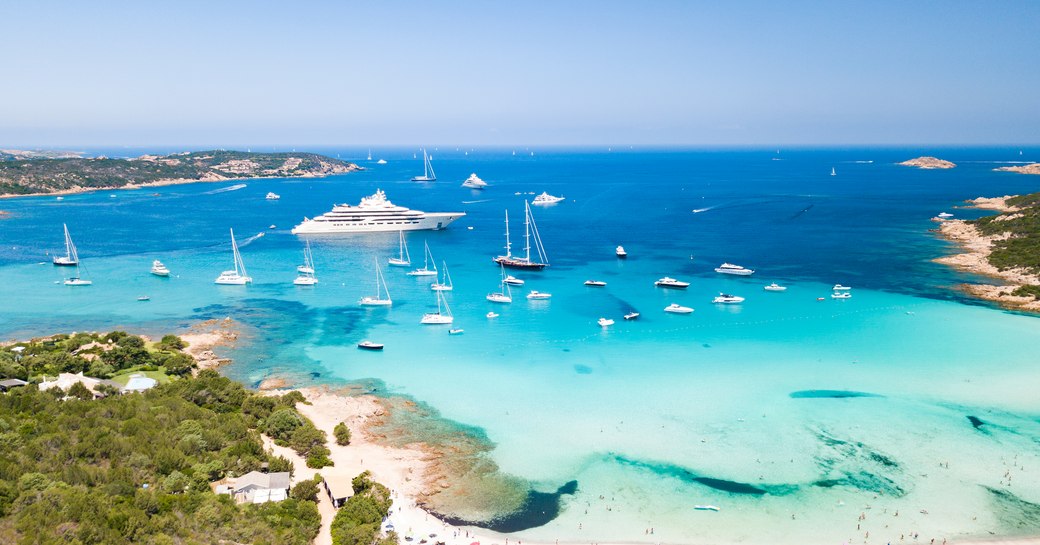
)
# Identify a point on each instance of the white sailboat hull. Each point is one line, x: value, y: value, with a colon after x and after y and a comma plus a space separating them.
x: 422, y: 272
x: 77, y: 282
x: 399, y: 262
x: 440, y: 287
x: 373, y: 302
x: 436, y: 319
x: 305, y: 281
x: 231, y: 278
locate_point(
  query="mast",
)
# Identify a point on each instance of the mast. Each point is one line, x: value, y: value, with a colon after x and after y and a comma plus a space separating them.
x: 432, y: 175
x: 527, y: 232
x: 508, y: 245
x: 70, y: 248
x: 425, y: 164
x: 537, y: 237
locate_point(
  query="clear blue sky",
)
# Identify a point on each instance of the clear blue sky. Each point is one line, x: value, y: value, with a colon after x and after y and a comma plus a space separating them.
x: 488, y: 73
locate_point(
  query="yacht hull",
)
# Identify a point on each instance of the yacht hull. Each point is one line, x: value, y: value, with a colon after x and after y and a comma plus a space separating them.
x: 428, y: 222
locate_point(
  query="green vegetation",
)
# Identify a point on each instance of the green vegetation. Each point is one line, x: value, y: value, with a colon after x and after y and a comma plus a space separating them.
x: 136, y: 468
x: 1022, y: 247
x: 22, y: 176
x: 342, y: 433
x: 111, y: 355
x: 357, y: 522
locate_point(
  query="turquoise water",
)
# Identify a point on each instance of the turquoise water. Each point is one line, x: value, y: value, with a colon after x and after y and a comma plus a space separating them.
x: 660, y: 413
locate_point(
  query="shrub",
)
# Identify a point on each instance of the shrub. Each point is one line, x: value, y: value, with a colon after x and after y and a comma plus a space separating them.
x: 342, y: 433
x: 306, y: 490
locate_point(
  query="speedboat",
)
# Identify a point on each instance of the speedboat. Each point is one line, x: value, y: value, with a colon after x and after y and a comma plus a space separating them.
x: 729, y: 268
x: 678, y: 309
x: 538, y: 295
x: 456, y: 331
x: 945, y: 215
x: 725, y: 298
x: 841, y: 295
x: 272, y: 196
x: 546, y: 198
x: 604, y: 322
x: 158, y: 269
x: 474, y: 182
x: 839, y: 287
x: 706, y: 507
x: 774, y: 287
x: 513, y: 281
x: 381, y: 162
x: 596, y: 283
x: 369, y: 345
x: 144, y: 298
x: 492, y: 315
x: 631, y: 315
x: 669, y: 282
x: 620, y: 252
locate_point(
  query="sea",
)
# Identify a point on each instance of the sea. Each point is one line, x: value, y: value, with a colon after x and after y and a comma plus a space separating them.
x: 908, y: 409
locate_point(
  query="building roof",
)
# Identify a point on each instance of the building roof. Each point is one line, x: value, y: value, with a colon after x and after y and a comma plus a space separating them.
x: 339, y: 486
x: 265, y: 481
x: 12, y: 382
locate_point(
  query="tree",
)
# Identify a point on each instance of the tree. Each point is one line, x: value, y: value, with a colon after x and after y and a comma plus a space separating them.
x: 79, y: 391
x: 171, y: 342
x: 306, y: 490
x: 342, y: 433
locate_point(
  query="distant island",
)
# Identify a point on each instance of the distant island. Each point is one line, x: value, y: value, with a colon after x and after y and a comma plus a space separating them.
x: 1004, y: 246
x: 928, y: 163
x: 1032, y: 168
x: 33, y: 173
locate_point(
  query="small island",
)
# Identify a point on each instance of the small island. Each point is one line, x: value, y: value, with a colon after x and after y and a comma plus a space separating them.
x: 1032, y: 168
x: 1004, y: 246
x: 928, y: 163
x: 36, y: 174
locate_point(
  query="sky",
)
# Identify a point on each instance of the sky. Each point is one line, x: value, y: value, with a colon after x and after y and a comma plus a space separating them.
x: 487, y: 73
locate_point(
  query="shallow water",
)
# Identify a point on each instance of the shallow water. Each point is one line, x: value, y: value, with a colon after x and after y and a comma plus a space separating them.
x: 789, y: 413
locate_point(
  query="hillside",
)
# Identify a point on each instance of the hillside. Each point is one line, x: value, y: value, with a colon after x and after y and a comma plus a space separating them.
x: 20, y: 176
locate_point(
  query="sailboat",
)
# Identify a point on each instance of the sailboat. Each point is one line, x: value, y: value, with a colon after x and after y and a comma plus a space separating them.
x: 306, y: 277
x: 445, y: 283
x: 428, y: 175
x: 71, y: 257
x: 442, y: 316
x: 378, y: 300
x: 833, y: 173
x: 370, y: 154
x: 530, y: 230
x: 503, y: 295
x: 77, y: 280
x: 425, y: 270
x: 404, y: 260
x: 238, y: 276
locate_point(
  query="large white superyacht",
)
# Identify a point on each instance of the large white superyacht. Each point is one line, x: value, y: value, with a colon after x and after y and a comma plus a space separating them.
x: 375, y: 213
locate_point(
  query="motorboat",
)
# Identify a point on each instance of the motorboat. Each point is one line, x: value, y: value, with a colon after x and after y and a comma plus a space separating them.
x: 513, y: 281
x: 237, y: 276
x: 381, y: 162
x: 725, y: 298
x: 492, y: 315
x: 774, y: 287
x: 669, y: 282
x: 595, y: 283
x: 631, y: 315
x: 474, y: 182
x: 272, y: 196
x: 945, y: 215
x: 841, y: 295
x: 604, y: 322
x: 839, y: 287
x: 369, y: 345
x: 374, y: 214
x: 456, y: 331
x: 706, y: 508
x: 620, y: 252
x: 530, y: 233
x: 729, y: 268
x: 538, y: 295
x: 546, y: 198
x: 158, y: 269
x: 144, y: 298
x: 678, y: 309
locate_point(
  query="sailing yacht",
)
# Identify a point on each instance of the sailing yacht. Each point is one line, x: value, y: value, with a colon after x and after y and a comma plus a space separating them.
x: 404, y: 260
x: 71, y: 257
x: 445, y: 283
x: 158, y: 269
x: 428, y: 175
x: 833, y: 173
x: 503, y: 295
x: 425, y: 270
x: 442, y: 316
x: 77, y: 280
x: 378, y: 300
x: 238, y: 276
x: 530, y: 229
x: 369, y: 154
x: 306, y: 277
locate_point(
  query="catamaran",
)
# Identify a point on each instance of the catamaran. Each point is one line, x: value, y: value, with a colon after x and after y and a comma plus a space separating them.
x: 158, y: 269
x: 445, y: 283
x: 442, y: 316
x: 378, y: 300
x: 428, y: 175
x: 306, y: 277
x: 530, y: 229
x: 71, y: 257
x: 425, y: 270
x: 403, y: 260
x: 238, y: 276
x: 503, y: 295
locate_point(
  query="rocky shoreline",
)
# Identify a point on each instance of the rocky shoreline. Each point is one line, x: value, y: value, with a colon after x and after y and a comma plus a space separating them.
x: 975, y: 260
x: 1032, y: 168
x: 928, y: 163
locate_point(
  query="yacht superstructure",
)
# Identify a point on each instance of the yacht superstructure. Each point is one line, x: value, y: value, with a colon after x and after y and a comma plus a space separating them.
x: 374, y: 214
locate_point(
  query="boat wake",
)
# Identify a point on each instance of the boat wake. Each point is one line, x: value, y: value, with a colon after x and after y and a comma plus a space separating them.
x: 475, y: 202
x: 251, y: 239
x: 699, y: 210
x: 235, y: 187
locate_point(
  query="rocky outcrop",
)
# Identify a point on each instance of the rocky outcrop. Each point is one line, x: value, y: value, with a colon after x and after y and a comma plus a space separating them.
x: 928, y: 163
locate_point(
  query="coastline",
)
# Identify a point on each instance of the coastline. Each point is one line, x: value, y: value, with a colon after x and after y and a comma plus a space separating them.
x: 203, y: 337
x: 975, y: 259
